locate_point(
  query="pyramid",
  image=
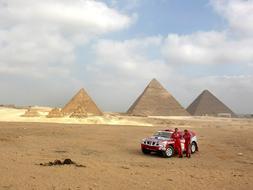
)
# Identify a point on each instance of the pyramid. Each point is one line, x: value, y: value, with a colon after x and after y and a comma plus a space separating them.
x: 83, y: 100
x: 207, y: 104
x: 80, y: 112
x: 56, y: 112
x: 156, y: 101
x: 31, y: 113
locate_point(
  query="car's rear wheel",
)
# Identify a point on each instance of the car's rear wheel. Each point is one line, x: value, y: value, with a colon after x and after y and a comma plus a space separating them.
x: 145, y: 151
x: 169, y: 152
x: 193, y: 147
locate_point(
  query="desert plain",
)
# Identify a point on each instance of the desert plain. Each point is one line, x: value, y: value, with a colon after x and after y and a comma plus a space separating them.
x: 109, y: 149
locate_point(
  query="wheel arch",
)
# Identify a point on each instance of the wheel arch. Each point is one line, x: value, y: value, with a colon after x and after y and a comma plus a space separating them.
x: 197, y: 147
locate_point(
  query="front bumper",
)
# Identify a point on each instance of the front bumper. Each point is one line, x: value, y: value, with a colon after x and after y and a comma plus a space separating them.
x: 151, y: 148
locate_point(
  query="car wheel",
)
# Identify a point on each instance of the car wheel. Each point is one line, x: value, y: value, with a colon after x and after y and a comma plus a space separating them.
x: 193, y: 147
x: 169, y: 152
x: 145, y: 151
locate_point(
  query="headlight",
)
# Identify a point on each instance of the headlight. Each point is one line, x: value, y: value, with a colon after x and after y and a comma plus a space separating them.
x: 162, y: 144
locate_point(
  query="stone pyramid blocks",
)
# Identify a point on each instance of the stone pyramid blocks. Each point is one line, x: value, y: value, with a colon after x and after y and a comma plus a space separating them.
x: 80, y: 112
x: 207, y: 104
x: 156, y: 101
x: 81, y: 101
x: 54, y: 113
x: 31, y: 113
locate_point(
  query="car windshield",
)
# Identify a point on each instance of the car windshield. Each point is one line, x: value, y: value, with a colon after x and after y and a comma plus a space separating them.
x: 162, y: 134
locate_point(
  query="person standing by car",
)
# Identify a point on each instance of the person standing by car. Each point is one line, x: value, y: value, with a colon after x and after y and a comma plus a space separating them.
x: 176, y: 136
x: 187, y: 144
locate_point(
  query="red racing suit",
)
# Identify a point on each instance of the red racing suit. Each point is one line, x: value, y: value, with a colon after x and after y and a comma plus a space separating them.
x: 176, y: 136
x: 187, y: 144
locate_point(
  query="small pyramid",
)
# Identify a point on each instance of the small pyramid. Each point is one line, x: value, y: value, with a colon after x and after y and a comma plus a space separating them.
x: 31, y: 113
x: 207, y: 104
x: 54, y: 113
x: 83, y: 100
x: 156, y: 101
x: 80, y: 112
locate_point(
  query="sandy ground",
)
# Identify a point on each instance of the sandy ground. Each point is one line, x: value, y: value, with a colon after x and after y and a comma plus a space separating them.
x: 113, y: 160
x: 15, y: 115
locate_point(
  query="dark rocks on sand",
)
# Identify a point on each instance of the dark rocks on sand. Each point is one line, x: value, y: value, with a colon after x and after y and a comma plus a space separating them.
x: 64, y: 162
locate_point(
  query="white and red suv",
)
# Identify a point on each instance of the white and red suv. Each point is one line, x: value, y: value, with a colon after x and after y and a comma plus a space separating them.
x: 162, y: 142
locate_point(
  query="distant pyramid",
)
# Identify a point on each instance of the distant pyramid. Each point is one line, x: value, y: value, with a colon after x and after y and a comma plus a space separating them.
x: 83, y: 100
x: 56, y: 112
x: 156, y: 101
x: 31, y: 113
x: 207, y: 104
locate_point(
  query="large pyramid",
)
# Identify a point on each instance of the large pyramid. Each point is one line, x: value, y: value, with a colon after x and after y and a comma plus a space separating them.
x: 82, y: 100
x: 156, y: 101
x: 207, y: 104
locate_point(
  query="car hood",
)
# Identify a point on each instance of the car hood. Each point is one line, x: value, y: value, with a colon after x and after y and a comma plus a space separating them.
x: 155, y: 138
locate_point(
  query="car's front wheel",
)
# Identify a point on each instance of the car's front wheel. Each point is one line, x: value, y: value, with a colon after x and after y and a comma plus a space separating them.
x: 169, y: 152
x: 145, y: 151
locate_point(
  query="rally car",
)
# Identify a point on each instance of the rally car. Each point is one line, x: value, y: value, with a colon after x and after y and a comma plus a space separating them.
x: 161, y: 142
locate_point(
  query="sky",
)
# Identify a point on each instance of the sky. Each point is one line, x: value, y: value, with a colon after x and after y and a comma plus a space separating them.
x: 50, y: 49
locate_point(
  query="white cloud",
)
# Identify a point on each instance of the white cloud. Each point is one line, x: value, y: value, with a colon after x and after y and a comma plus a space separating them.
x: 131, y: 60
x: 233, y: 45
x: 40, y: 37
x: 121, y: 75
x: 130, y: 57
x: 34, y: 52
x: 207, y: 48
x: 238, y: 13
x: 73, y: 16
x: 121, y: 70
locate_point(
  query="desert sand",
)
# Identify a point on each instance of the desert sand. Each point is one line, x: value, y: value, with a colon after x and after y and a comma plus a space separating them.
x: 16, y: 115
x: 112, y: 155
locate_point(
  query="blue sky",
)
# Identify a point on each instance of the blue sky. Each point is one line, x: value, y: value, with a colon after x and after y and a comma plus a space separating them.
x: 171, y: 16
x: 113, y: 48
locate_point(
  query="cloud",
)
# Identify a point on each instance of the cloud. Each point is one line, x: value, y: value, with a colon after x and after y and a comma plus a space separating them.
x: 134, y: 62
x: 121, y: 75
x: 70, y: 16
x: 34, y: 53
x: 207, y: 48
x: 238, y: 13
x: 122, y: 56
x: 39, y: 38
x: 54, y: 47
x: 121, y: 69
x: 233, y: 45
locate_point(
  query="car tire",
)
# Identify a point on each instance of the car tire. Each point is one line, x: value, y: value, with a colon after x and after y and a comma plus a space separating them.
x: 145, y: 151
x: 194, y: 147
x: 169, y: 152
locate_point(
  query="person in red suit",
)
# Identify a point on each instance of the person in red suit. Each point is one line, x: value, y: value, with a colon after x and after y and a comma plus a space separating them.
x: 176, y: 136
x: 187, y: 144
